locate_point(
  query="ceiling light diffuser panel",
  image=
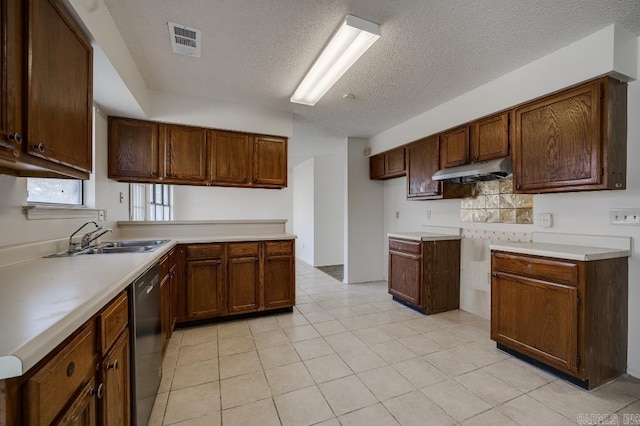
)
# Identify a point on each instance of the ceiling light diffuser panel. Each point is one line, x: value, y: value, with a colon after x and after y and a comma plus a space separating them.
x: 350, y: 41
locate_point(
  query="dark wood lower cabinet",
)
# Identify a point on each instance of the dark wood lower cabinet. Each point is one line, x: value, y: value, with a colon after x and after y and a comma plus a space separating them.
x: 425, y: 274
x: 243, y: 284
x: 244, y: 277
x: 569, y: 315
x: 116, y: 401
x: 279, y: 275
x: 204, y: 286
x: 82, y: 411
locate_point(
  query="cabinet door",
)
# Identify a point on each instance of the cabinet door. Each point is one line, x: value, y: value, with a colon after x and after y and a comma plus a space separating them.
x: 59, y: 86
x: 205, y: 283
x: 184, y: 153
x: 279, y: 274
x: 10, y: 79
x: 243, y: 277
x: 133, y: 149
x: 557, y: 141
x: 279, y: 284
x: 423, y: 160
x: 394, y: 162
x: 537, y: 318
x: 454, y: 147
x: 116, y: 378
x: 376, y: 166
x: 489, y: 138
x: 405, y: 277
x: 270, y: 161
x: 231, y: 158
x: 82, y: 411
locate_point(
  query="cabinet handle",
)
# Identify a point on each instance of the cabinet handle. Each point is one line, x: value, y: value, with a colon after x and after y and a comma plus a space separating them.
x: 71, y: 368
x: 118, y: 319
x: 14, y: 150
x: 113, y: 365
x: 38, y: 147
x: 153, y: 173
x: 517, y: 186
x: 475, y: 158
x: 15, y: 137
x: 98, y: 392
x: 529, y: 266
x: 494, y: 275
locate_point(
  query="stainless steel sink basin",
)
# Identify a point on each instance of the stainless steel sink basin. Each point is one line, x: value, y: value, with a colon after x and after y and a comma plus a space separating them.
x: 114, y: 247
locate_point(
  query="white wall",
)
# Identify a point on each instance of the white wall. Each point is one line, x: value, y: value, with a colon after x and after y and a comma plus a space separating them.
x: 364, y: 218
x: 303, y: 210
x: 221, y: 203
x: 329, y: 209
x: 579, y: 213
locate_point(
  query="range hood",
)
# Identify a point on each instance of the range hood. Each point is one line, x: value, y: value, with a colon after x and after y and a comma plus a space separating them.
x: 485, y: 170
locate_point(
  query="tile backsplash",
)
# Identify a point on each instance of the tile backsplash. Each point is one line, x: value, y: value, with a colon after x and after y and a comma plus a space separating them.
x: 495, y: 202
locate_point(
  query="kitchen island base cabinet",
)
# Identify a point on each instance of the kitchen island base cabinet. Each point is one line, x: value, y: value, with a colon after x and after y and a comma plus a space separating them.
x: 236, y: 279
x: 425, y: 274
x: 569, y: 315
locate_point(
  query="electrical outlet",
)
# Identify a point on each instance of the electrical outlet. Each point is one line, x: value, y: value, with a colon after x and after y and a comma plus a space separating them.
x: 427, y: 215
x: 545, y: 220
x: 121, y: 197
x: 624, y: 216
x: 102, y: 215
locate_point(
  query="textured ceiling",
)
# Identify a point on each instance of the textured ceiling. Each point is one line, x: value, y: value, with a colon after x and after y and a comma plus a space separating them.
x: 430, y: 51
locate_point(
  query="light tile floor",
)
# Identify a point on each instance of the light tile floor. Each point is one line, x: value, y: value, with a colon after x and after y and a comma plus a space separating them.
x: 350, y: 355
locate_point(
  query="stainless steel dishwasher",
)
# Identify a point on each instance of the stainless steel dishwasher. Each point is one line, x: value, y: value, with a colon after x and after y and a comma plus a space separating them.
x: 146, y: 345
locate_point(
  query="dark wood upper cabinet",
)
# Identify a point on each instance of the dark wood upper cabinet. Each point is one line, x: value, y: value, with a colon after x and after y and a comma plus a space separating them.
x: 270, y: 161
x: 574, y: 140
x: 46, y: 95
x: 147, y: 151
x: 133, y: 149
x: 184, y: 153
x: 231, y: 157
x: 387, y: 165
x: 454, y: 147
x: 11, y: 126
x: 489, y: 138
x: 423, y: 160
x: 59, y: 87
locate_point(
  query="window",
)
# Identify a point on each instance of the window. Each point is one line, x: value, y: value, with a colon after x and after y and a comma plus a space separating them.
x: 150, y: 202
x: 54, y: 191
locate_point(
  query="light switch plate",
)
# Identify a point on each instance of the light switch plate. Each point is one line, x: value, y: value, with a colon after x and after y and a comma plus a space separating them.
x: 624, y: 217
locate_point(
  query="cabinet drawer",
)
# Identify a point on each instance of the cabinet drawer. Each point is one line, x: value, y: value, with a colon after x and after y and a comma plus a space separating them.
x: 279, y: 247
x: 405, y: 246
x: 54, y: 384
x: 204, y: 251
x: 113, y: 320
x: 558, y: 271
x: 243, y: 250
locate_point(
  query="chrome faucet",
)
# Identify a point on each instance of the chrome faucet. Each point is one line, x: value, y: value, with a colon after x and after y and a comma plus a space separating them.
x: 88, y: 238
x: 72, y: 245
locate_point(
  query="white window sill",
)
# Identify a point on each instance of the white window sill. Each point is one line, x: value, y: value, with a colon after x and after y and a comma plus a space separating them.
x: 40, y: 212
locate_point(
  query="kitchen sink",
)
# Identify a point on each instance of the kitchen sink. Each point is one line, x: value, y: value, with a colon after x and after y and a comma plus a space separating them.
x: 114, y: 247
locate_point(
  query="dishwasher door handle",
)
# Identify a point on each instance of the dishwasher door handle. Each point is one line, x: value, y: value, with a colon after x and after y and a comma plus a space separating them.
x: 149, y: 288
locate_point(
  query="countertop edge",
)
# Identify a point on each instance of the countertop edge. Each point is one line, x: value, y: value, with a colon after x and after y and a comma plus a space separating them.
x: 27, y: 355
x: 424, y: 237
x: 559, y: 254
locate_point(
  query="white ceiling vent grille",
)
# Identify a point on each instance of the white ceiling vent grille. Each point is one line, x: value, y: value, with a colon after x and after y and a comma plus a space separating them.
x: 185, y: 40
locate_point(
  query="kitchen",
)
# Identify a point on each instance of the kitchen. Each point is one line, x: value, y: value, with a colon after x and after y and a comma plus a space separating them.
x: 365, y: 226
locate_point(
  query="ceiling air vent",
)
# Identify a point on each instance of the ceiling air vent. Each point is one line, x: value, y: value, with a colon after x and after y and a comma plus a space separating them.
x: 185, y: 40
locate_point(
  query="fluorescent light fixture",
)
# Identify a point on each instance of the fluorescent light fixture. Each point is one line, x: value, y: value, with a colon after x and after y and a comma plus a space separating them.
x: 352, y: 39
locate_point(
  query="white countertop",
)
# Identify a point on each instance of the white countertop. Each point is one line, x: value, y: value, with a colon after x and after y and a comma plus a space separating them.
x: 44, y: 300
x: 423, y: 236
x: 560, y: 251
